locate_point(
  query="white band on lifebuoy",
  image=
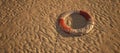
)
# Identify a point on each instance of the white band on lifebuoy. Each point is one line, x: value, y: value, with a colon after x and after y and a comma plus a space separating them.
x: 89, y: 26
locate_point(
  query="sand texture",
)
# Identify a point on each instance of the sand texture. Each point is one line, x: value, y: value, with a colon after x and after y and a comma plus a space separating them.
x: 31, y: 26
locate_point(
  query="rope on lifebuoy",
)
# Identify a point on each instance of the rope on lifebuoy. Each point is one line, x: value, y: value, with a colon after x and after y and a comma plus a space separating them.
x: 68, y: 29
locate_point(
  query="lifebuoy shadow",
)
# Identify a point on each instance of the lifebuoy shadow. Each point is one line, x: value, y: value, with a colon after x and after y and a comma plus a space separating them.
x: 73, y: 25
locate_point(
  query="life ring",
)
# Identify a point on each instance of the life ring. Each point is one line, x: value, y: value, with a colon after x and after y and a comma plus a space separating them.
x: 86, y: 29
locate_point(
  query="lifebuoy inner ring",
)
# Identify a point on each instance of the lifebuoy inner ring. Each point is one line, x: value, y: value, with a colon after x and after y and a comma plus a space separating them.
x: 68, y: 29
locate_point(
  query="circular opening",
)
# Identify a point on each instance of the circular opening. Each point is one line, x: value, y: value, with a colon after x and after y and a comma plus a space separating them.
x: 76, y: 21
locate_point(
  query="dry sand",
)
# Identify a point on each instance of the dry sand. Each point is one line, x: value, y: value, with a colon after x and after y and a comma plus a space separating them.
x: 30, y: 26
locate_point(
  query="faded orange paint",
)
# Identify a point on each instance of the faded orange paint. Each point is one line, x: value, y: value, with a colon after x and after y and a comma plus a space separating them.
x: 85, y: 14
x: 63, y: 25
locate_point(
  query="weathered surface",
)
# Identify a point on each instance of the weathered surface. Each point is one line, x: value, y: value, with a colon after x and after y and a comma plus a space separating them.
x: 29, y: 26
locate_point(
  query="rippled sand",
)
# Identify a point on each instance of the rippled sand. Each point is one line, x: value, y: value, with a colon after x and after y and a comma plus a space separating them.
x: 30, y: 26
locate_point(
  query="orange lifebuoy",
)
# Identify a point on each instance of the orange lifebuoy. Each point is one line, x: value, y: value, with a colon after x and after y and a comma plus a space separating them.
x: 86, y: 29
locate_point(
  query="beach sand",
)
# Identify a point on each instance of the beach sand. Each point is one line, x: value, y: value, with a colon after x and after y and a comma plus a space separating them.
x: 31, y: 26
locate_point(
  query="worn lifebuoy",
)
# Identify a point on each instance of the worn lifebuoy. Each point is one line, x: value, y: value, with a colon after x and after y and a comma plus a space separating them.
x: 89, y: 26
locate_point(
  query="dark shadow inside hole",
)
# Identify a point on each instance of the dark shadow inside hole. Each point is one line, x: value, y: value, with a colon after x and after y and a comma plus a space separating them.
x: 76, y: 21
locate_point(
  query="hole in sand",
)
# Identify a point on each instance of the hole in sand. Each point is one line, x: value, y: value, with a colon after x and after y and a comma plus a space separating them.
x: 76, y: 21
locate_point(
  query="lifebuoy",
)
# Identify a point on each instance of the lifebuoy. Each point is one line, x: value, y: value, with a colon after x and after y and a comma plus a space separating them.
x: 89, y: 26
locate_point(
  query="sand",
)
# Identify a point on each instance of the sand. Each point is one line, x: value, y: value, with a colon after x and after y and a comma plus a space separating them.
x: 30, y: 26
